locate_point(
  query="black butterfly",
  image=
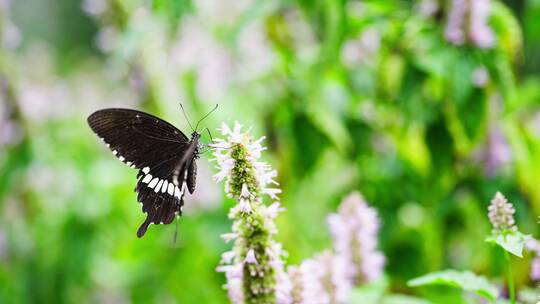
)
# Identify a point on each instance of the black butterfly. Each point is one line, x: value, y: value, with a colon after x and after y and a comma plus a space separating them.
x: 164, y: 156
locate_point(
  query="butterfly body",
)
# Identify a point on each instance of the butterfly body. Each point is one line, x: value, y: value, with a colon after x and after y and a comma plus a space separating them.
x: 164, y: 156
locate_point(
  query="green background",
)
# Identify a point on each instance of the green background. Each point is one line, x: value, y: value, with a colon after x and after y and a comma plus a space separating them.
x: 351, y: 95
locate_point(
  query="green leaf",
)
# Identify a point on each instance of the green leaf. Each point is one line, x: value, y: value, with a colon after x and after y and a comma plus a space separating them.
x: 403, y: 299
x: 369, y: 293
x: 465, y: 280
x: 511, y: 241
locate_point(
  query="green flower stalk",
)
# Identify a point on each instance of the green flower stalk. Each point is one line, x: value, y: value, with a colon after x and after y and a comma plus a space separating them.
x: 254, y: 267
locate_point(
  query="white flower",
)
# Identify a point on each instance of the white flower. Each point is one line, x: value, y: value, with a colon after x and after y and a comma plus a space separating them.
x: 245, y: 192
x: 250, y: 257
x: 244, y: 206
x: 228, y: 256
x: 246, y: 180
x: 234, y: 274
x: 227, y: 237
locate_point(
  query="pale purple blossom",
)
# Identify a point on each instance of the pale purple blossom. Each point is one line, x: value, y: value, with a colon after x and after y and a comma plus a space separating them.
x: 196, y: 49
x: 501, y: 214
x: 480, y: 77
x: 454, y: 31
x: 304, y: 39
x: 497, y: 152
x: 362, y: 49
x: 10, y: 132
x: 533, y: 245
x: 255, y: 52
x: 94, y: 7
x: 223, y: 12
x: 250, y: 257
x: 428, y: 8
x: 480, y: 32
x: 321, y: 280
x: 5, y: 4
x: 11, y: 37
x: 107, y: 39
x: 468, y: 20
x: 354, y: 229
x: 535, y: 268
x: 234, y: 275
x: 3, y: 243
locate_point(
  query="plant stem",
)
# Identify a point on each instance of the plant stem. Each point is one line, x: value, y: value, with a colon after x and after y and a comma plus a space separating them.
x: 511, y: 288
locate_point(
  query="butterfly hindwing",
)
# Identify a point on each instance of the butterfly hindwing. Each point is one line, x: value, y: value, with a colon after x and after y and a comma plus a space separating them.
x: 160, y: 203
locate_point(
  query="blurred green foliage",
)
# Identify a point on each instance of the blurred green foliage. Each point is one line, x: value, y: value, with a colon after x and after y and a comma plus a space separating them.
x: 365, y: 95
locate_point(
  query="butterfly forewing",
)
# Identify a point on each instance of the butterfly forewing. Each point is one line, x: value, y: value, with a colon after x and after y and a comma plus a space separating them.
x: 136, y: 137
x: 160, y: 151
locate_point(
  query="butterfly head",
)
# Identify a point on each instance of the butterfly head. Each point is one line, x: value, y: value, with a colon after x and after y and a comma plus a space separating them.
x: 195, y: 136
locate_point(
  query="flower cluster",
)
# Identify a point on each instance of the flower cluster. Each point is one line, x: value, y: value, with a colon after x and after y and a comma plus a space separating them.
x: 534, y: 246
x: 322, y: 279
x: 497, y: 153
x: 501, y: 214
x: 254, y: 267
x: 328, y: 277
x: 354, y: 229
x: 468, y: 20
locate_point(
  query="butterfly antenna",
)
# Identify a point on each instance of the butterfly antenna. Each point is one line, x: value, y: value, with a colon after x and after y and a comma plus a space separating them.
x: 210, y: 134
x: 185, y: 116
x: 206, y: 116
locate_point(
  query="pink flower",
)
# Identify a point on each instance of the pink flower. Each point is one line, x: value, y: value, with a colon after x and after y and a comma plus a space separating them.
x: 322, y: 279
x: 354, y: 229
x: 469, y: 20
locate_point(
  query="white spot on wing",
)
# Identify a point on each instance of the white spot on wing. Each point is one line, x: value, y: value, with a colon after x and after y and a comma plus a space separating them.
x: 114, y: 152
x: 156, y: 189
x: 129, y: 163
x: 147, y: 178
x: 146, y: 170
x: 177, y: 193
x: 184, y: 187
x: 153, y: 182
x: 121, y: 158
x: 171, y: 189
x: 164, y: 188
